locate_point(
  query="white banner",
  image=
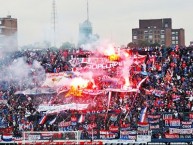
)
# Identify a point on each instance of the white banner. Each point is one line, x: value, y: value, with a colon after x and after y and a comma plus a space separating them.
x: 58, y: 108
x: 180, y: 131
x: 57, y: 80
x: 143, y: 138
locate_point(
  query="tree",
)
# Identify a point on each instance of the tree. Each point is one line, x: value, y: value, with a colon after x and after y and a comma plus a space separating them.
x: 36, y: 46
x: 155, y: 45
x: 142, y: 43
x: 132, y: 45
x: 67, y: 45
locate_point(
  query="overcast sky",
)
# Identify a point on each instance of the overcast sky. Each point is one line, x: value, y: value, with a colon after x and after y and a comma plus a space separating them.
x: 111, y: 19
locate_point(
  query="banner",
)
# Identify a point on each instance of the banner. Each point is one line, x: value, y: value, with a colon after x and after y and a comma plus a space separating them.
x: 180, y: 131
x: 7, y: 137
x: 167, y: 135
x: 57, y: 108
x: 64, y: 124
x: 104, y: 134
x: 167, y: 116
x: 143, y: 138
x: 75, y: 61
x: 125, y: 127
x: 47, y: 136
x: 143, y: 127
x: 186, y: 124
x: 92, y: 92
x: 92, y: 134
x: 186, y: 136
x: 113, y: 128
x: 89, y: 143
x: 100, y: 66
x: 128, y: 135
x: 68, y: 128
x: 54, y: 79
x: 32, y: 137
x: 153, y: 121
x: 154, y: 116
x: 86, y: 111
x: 172, y: 122
x: 89, y: 126
x: 154, y: 126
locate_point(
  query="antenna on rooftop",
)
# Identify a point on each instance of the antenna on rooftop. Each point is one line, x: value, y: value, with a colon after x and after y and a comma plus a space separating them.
x: 54, y: 21
x: 87, y: 11
x: 8, y: 14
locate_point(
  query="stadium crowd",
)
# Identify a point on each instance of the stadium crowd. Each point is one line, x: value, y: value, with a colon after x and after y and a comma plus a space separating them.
x: 166, y: 93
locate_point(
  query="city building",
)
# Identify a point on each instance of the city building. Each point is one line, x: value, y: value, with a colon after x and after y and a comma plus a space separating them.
x: 86, y: 31
x: 8, y: 34
x: 158, y: 31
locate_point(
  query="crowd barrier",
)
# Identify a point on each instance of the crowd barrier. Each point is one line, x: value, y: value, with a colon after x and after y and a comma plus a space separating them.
x: 104, y: 142
x: 73, y: 142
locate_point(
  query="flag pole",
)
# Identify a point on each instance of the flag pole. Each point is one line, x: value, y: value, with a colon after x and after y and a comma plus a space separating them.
x: 109, y: 99
x: 92, y: 135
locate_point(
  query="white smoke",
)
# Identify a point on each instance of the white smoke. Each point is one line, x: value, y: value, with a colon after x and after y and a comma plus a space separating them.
x: 8, y: 44
x: 22, y: 74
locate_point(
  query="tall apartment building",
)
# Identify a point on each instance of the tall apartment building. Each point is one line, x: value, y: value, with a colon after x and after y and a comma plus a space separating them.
x: 158, y: 31
x: 8, y: 34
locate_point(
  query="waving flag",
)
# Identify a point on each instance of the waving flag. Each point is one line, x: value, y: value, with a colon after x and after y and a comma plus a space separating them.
x: 175, y: 97
x: 81, y: 119
x: 62, y: 90
x: 73, y: 119
x: 143, y: 114
x: 43, y: 119
x: 139, y: 85
x: 113, y: 117
x: 52, y: 121
x: 139, y: 59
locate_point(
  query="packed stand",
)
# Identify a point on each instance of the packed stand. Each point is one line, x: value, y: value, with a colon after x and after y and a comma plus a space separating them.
x: 166, y: 93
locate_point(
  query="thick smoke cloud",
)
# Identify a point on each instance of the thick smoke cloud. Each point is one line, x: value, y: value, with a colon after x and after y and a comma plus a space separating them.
x: 22, y: 74
x: 8, y: 44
